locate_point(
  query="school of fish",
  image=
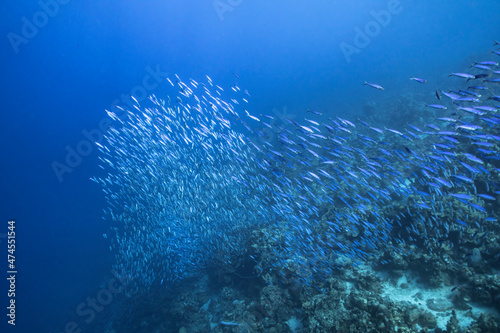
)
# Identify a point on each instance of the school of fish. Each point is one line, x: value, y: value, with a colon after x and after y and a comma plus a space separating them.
x: 189, y: 177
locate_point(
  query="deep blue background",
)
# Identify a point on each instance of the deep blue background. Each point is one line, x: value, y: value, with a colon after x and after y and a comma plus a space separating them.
x: 286, y: 53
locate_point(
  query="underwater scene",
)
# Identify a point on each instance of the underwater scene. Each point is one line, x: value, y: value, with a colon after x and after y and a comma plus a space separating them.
x: 227, y: 166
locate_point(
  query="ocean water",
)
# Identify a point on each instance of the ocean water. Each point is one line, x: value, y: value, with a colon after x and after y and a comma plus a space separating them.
x: 221, y: 166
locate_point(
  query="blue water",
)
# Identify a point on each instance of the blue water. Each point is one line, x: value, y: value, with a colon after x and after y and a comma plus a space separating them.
x: 57, y: 81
